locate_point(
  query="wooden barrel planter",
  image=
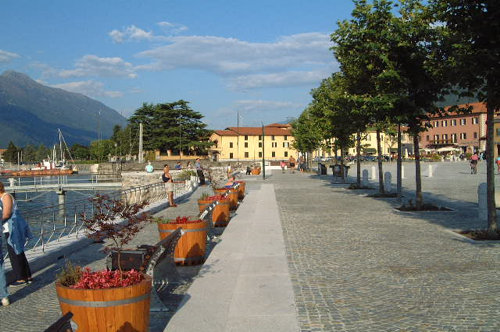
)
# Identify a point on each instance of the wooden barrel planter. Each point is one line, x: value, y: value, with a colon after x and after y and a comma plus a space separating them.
x: 110, y: 309
x: 220, y: 214
x: 203, y: 204
x: 241, y: 190
x: 255, y: 171
x: 190, y: 249
x: 232, y: 194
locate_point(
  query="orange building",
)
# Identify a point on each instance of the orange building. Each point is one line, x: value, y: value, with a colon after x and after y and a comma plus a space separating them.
x: 464, y: 131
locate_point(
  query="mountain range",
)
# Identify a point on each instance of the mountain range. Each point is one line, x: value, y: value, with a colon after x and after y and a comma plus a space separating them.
x: 31, y: 113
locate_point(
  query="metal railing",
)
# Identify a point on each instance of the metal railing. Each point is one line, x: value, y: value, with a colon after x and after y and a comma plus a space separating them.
x: 51, y: 223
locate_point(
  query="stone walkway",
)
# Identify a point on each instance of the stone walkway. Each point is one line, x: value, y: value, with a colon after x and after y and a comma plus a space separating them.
x: 356, y: 264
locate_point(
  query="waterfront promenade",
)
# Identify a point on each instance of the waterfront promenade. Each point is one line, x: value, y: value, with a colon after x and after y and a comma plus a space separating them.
x: 353, y: 263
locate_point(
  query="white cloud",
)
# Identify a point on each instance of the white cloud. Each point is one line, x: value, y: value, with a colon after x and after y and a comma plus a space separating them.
x: 7, y: 56
x: 288, y: 78
x: 229, y: 56
x: 89, y: 88
x: 264, y: 105
x: 172, y: 28
x: 132, y: 33
x: 91, y: 65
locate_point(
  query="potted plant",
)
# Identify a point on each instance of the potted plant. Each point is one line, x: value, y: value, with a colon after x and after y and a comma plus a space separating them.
x: 108, y: 300
x: 203, y: 201
x: 232, y: 194
x: 190, y: 249
x: 220, y: 213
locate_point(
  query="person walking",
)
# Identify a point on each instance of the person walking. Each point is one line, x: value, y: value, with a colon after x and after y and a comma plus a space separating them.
x: 199, y: 171
x: 16, y: 231
x: 169, y: 184
x: 291, y: 163
x: 473, y: 163
x: 282, y: 165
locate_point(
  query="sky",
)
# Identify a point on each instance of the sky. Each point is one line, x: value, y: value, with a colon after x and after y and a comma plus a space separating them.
x: 258, y: 59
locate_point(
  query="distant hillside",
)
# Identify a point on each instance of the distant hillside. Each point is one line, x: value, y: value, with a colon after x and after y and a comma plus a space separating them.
x: 31, y: 113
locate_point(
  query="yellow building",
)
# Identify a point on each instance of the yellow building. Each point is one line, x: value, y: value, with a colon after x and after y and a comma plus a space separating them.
x: 389, y: 145
x: 248, y: 144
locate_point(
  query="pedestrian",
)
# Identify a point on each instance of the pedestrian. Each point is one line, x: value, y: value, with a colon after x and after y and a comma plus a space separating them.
x: 249, y: 170
x: 189, y: 165
x: 199, y: 171
x: 169, y: 184
x: 291, y: 163
x: 282, y: 165
x: 474, y: 159
x: 178, y: 166
x: 17, y: 232
x: 498, y: 164
x: 149, y: 168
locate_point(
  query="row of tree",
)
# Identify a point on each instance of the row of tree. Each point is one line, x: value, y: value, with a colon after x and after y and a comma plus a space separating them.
x: 169, y: 126
x: 397, y: 60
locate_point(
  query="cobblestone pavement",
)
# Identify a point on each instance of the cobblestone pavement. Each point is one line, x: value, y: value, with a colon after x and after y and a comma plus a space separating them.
x: 35, y: 307
x: 356, y: 264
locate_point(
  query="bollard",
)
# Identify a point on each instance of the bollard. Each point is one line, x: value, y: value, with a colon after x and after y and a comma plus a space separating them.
x: 402, y: 172
x: 374, y: 174
x: 430, y: 171
x: 387, y: 181
x: 364, y: 179
x: 482, y: 202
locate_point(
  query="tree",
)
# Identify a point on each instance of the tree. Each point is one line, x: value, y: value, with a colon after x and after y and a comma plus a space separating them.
x: 29, y: 153
x: 10, y: 155
x: 362, y: 49
x: 172, y: 126
x: 42, y: 152
x: 472, y: 52
x: 306, y: 132
x: 80, y: 152
x: 101, y: 149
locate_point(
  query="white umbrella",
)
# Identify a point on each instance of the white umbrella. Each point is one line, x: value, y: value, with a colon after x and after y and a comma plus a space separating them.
x: 448, y: 149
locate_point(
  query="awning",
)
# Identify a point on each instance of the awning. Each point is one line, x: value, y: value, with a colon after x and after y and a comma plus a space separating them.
x: 448, y: 149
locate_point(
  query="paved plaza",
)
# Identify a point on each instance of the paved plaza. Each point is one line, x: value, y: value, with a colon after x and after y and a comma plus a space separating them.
x: 354, y: 262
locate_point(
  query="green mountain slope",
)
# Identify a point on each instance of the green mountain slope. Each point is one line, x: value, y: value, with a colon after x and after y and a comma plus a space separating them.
x: 31, y: 113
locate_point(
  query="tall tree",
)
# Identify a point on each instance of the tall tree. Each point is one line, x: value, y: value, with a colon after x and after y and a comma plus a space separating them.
x: 473, y: 53
x: 172, y: 126
x: 306, y: 132
x: 362, y: 49
x: 10, y: 154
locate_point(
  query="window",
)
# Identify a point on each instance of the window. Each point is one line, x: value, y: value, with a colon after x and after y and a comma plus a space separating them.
x: 246, y: 155
x: 274, y: 144
x: 260, y: 144
x: 286, y: 154
x: 454, y: 122
x: 436, y: 138
x: 453, y: 138
x: 246, y: 137
x: 498, y: 131
x: 475, y: 135
x: 273, y: 154
x: 463, y: 135
x: 260, y: 137
x: 272, y: 137
x: 475, y: 120
x: 427, y: 138
x: 286, y: 144
x: 260, y: 154
x: 445, y: 138
x: 444, y: 123
x: 230, y: 155
x: 463, y: 122
x: 246, y: 144
x: 285, y: 138
x: 436, y: 124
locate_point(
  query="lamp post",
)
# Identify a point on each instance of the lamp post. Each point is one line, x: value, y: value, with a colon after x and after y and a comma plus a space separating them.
x: 263, y: 154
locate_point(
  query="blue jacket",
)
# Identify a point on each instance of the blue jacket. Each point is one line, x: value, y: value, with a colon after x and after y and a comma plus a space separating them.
x: 19, y: 230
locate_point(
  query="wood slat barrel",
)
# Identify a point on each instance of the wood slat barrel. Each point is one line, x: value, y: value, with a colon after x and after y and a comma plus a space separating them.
x: 190, y: 249
x: 111, y: 309
x: 220, y: 214
x: 241, y: 188
x: 232, y: 194
x: 203, y: 204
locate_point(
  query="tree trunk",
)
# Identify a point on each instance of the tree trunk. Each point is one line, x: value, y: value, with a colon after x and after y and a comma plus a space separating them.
x: 380, y: 169
x: 358, y: 162
x: 490, y: 173
x: 418, y: 178
x: 399, y: 164
x: 342, y: 154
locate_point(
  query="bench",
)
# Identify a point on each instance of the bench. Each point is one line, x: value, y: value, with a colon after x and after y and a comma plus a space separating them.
x: 63, y: 324
x: 157, y: 261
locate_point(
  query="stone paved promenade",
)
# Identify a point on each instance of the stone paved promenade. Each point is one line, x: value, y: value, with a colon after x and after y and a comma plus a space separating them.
x: 355, y: 263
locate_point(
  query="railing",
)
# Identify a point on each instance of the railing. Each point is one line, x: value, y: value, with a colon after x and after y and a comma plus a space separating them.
x: 50, y: 224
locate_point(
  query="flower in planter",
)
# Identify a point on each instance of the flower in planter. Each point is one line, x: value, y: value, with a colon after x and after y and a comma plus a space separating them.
x: 217, y: 198
x: 180, y: 220
x: 115, y: 220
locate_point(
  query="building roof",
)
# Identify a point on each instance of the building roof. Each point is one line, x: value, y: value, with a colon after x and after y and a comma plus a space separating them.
x: 279, y: 130
x: 476, y: 109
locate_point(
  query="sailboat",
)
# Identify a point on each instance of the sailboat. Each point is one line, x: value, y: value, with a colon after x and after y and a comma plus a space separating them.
x: 51, y: 165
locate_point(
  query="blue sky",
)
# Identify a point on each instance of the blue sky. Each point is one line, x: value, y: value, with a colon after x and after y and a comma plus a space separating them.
x: 258, y: 58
